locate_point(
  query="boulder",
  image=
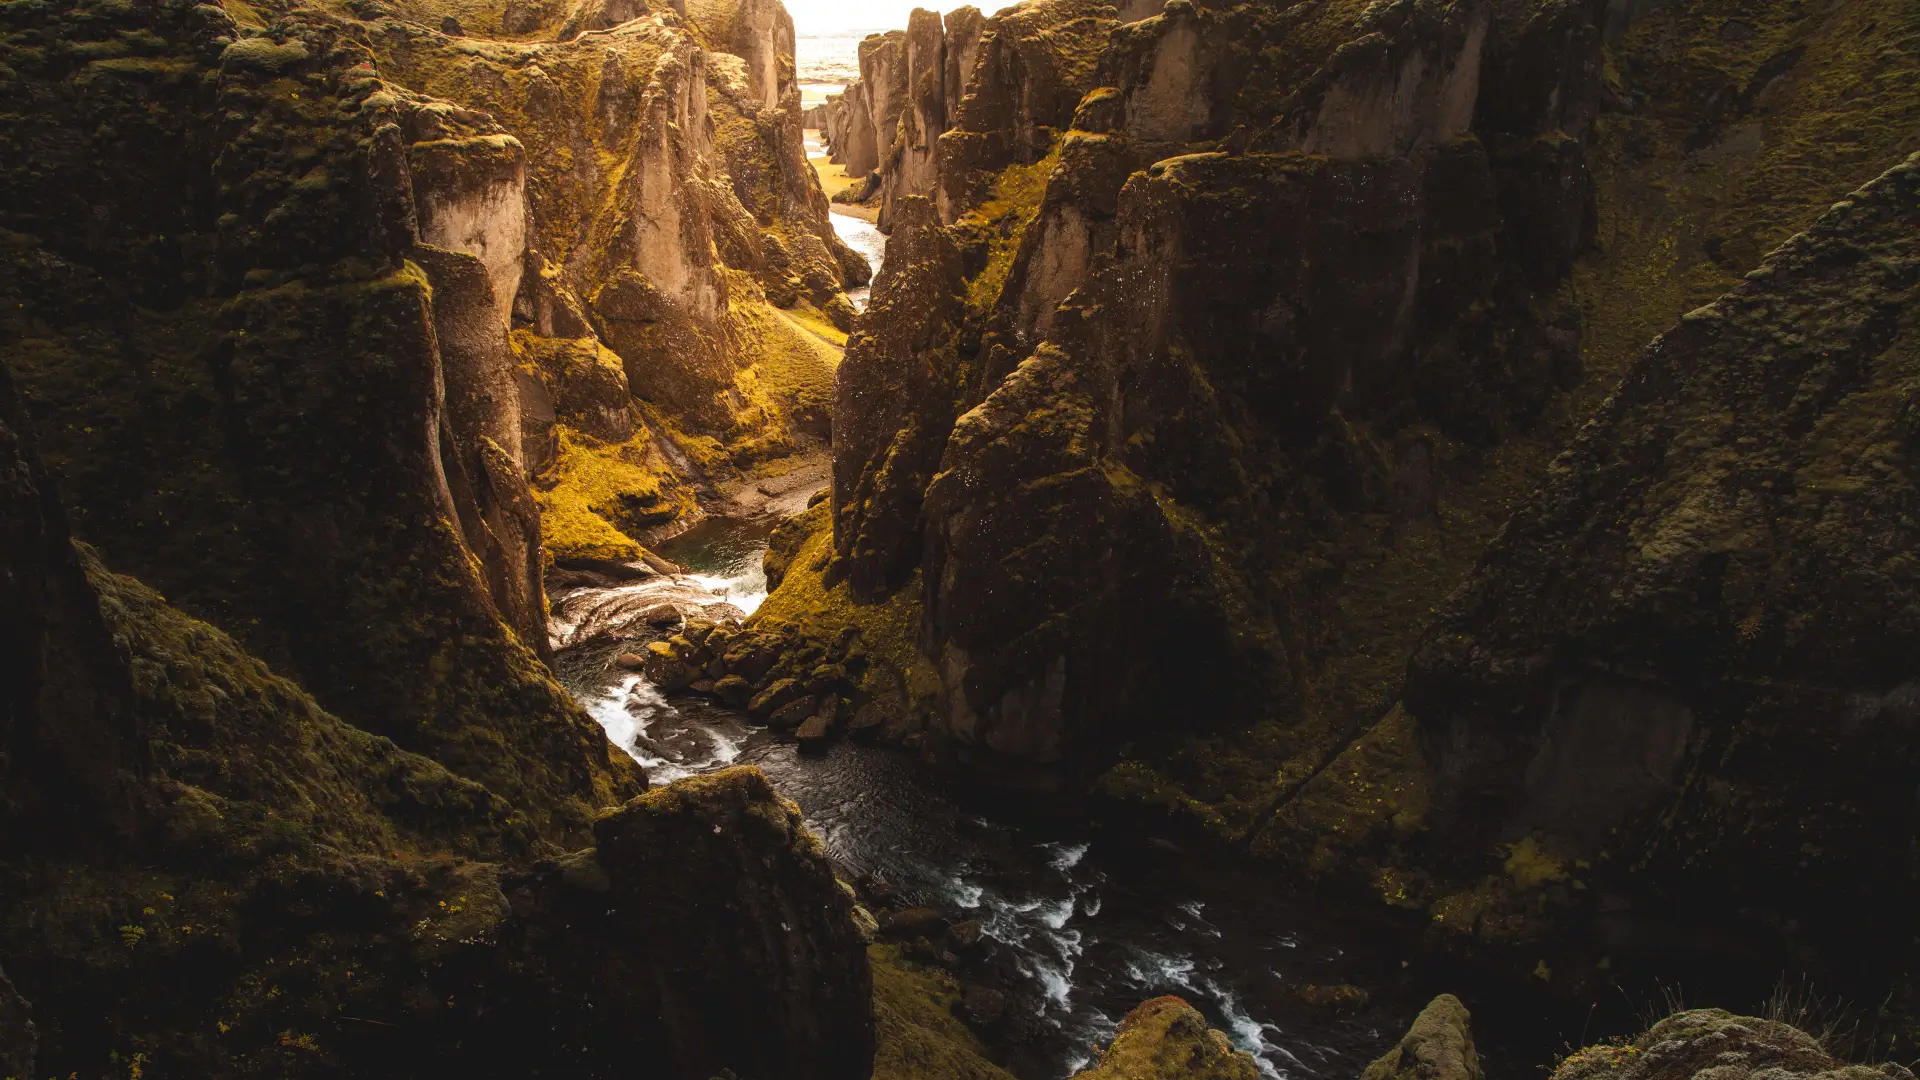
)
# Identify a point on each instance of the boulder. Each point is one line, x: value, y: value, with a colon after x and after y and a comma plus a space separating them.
x: 733, y: 691
x: 1439, y: 1046
x: 814, y: 733
x: 773, y: 697
x: 1166, y: 1039
x: 666, y: 670
x: 1721, y: 1045
x: 791, y: 715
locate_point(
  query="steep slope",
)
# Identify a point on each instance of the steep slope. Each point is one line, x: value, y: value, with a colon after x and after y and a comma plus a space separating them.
x: 265, y: 388
x: 1687, y: 658
x: 1247, y: 366
x: 208, y: 874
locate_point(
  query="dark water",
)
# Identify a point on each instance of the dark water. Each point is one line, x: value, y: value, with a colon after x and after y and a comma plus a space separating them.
x: 1080, y: 924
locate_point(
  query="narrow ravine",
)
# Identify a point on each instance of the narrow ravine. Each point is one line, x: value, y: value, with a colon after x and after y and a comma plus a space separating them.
x: 1079, y: 925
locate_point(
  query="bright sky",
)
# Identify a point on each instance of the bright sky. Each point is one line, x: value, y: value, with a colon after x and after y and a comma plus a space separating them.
x: 824, y: 16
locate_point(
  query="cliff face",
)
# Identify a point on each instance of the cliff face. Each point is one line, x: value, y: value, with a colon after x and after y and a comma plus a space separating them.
x: 365, y: 522
x: 1274, y: 332
x: 208, y: 874
x: 1173, y: 386
x: 940, y: 108
x: 257, y: 306
x: 1691, y: 648
x: 1635, y: 685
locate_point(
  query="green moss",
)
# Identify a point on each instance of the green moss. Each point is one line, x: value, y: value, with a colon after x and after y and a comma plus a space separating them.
x: 596, y: 496
x: 916, y: 1036
x: 804, y: 602
x: 1012, y: 204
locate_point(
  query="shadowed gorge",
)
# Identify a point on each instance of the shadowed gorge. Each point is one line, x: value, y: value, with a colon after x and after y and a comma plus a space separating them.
x: 1187, y: 540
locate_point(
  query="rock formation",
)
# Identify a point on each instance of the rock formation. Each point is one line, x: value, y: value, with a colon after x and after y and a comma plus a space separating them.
x: 1439, y: 1046
x: 285, y: 334
x: 1713, y: 1042
x: 1165, y: 1039
x: 205, y: 869
x: 1268, y: 328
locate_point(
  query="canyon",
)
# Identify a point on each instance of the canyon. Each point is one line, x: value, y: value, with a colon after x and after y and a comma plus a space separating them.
x: 488, y: 588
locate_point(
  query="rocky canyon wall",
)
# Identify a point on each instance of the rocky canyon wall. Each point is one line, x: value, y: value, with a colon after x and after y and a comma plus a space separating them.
x: 206, y: 872
x: 1202, y: 393
x: 269, y: 323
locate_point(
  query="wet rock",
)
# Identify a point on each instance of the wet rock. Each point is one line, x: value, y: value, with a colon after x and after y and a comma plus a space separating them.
x: 1439, y: 1046
x: 868, y: 719
x: 1166, y: 1039
x: 631, y: 661
x: 780, y: 693
x: 1342, y: 996
x: 965, y: 934
x: 698, y: 630
x: 665, y: 669
x: 791, y: 715
x: 912, y: 923
x: 701, y: 686
x: 733, y: 691
x: 814, y: 733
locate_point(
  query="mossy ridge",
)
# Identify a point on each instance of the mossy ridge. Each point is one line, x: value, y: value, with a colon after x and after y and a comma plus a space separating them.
x: 803, y: 603
x: 1000, y: 223
x: 210, y: 950
x: 1736, y: 141
x: 597, y: 497
x: 916, y: 1035
x: 771, y: 237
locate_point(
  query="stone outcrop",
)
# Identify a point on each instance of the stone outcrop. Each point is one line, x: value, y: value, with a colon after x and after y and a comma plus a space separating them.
x: 1713, y: 1042
x: 1166, y: 1039
x: 1439, y: 1046
x: 198, y: 854
x: 896, y: 397
x: 942, y: 106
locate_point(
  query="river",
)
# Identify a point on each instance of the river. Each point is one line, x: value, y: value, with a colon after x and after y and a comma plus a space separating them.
x: 1079, y: 923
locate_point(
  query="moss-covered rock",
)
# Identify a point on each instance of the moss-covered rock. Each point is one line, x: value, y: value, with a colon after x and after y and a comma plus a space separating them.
x: 916, y: 1034
x: 1713, y: 1042
x: 1167, y: 1039
x: 1439, y: 1046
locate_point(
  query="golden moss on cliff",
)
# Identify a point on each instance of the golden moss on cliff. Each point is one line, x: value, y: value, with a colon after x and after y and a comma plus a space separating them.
x: 1000, y: 222
x: 596, y: 497
x: 1743, y: 123
x: 803, y: 601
